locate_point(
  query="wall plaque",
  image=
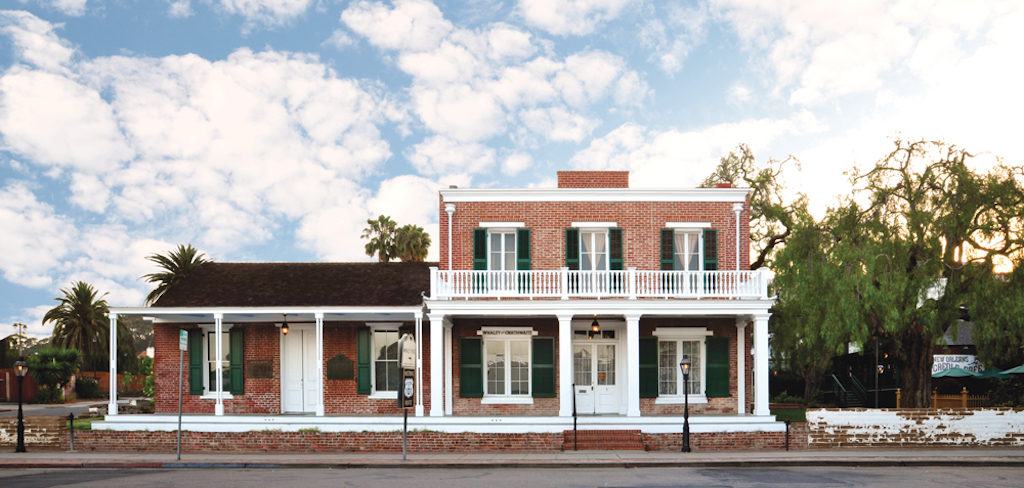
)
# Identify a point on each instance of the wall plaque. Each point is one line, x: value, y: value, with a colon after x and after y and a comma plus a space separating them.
x: 259, y: 368
x: 340, y: 368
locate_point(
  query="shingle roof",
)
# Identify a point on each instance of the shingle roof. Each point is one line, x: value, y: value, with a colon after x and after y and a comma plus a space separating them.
x: 301, y: 284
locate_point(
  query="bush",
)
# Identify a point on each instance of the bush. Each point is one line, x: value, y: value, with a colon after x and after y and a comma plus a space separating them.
x: 48, y: 394
x: 88, y: 388
x: 149, y: 387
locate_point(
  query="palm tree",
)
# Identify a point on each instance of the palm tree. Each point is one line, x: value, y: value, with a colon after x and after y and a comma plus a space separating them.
x: 381, y: 233
x: 80, y: 321
x: 177, y: 264
x: 412, y: 243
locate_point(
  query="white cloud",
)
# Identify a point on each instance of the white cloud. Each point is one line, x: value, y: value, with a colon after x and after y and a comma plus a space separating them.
x: 339, y: 40
x: 413, y: 25
x: 439, y: 155
x: 73, y: 8
x: 673, y: 34
x: 738, y: 94
x: 35, y: 238
x: 515, y: 163
x: 559, y: 124
x: 459, y: 111
x: 34, y: 41
x: 179, y: 9
x: 575, y: 17
x: 266, y: 12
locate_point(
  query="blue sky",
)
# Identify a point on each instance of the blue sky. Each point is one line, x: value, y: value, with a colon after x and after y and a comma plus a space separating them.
x: 270, y: 130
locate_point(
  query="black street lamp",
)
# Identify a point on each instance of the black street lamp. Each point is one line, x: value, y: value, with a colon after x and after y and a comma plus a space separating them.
x: 685, y: 366
x: 20, y: 368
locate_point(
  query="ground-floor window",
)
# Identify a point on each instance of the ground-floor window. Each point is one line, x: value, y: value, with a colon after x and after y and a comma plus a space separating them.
x: 210, y: 384
x: 673, y: 344
x: 385, y: 359
x: 508, y: 367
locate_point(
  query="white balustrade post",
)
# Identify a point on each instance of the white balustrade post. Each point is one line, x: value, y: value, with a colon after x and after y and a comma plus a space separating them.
x: 320, y: 409
x: 631, y: 281
x: 565, y: 282
x: 112, y: 406
x: 433, y: 283
x: 761, y: 364
x: 633, y: 364
x: 565, y: 377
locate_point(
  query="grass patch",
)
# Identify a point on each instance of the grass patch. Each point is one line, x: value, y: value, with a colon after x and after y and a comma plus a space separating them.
x: 83, y: 424
x: 791, y: 414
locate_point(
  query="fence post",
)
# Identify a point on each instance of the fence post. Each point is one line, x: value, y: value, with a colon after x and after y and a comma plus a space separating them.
x: 963, y: 398
x: 935, y: 392
x: 897, y: 398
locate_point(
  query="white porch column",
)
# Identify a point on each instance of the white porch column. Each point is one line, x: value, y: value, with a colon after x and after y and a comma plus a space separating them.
x: 112, y: 406
x: 419, y: 363
x: 218, y: 321
x: 741, y: 368
x: 436, y: 364
x: 633, y: 364
x: 761, y: 364
x: 320, y: 363
x: 448, y: 394
x: 565, y: 378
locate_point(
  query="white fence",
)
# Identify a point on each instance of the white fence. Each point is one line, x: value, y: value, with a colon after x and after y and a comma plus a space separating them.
x: 631, y: 283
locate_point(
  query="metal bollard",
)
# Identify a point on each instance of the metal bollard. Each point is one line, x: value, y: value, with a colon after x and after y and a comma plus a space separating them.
x: 787, y: 434
x: 71, y: 422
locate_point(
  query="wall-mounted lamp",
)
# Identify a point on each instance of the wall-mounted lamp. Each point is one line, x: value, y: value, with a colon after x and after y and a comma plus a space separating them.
x: 284, y: 327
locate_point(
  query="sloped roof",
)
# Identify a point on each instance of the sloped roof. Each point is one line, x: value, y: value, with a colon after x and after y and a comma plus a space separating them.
x: 301, y: 284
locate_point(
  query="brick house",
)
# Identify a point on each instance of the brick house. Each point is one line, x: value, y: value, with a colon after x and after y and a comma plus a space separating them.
x: 547, y: 303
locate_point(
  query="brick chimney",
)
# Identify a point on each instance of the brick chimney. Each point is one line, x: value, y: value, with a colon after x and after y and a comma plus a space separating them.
x: 593, y: 179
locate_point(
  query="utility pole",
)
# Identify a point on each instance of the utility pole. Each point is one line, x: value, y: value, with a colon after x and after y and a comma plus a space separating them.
x: 22, y: 328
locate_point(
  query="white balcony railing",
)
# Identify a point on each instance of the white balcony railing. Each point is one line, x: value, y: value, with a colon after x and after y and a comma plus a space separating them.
x: 563, y: 283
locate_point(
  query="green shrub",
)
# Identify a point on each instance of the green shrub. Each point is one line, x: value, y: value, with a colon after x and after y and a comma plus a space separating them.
x: 87, y: 388
x: 48, y: 394
x: 149, y: 387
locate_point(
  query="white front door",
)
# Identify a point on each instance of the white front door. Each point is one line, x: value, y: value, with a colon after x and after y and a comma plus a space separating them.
x: 300, y: 385
x: 595, y: 373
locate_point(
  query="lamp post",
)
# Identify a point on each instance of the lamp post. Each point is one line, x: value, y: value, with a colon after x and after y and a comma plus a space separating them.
x: 20, y: 368
x: 684, y: 365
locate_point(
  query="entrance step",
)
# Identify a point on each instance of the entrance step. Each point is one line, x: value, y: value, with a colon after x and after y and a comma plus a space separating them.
x: 604, y: 440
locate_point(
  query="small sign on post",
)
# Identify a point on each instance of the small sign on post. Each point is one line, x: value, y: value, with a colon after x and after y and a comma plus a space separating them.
x: 183, y: 340
x: 407, y: 388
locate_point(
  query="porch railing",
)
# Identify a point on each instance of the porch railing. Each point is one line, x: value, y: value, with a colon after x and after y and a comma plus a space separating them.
x: 630, y: 283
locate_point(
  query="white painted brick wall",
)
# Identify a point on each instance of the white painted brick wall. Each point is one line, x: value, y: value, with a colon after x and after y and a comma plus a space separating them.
x: 952, y: 427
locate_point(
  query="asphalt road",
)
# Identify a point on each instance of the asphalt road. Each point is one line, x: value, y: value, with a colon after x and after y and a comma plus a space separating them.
x: 517, y: 477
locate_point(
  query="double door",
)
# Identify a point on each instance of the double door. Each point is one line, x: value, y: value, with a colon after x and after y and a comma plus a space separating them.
x: 298, y: 370
x: 596, y: 377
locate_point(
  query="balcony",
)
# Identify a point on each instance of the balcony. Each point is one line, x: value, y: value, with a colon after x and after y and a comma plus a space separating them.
x: 630, y: 284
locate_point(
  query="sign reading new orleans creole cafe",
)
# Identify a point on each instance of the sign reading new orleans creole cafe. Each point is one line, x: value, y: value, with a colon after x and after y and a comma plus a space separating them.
x: 942, y: 362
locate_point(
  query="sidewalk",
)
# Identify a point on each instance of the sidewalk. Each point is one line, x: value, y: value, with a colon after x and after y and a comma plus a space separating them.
x: 1004, y: 457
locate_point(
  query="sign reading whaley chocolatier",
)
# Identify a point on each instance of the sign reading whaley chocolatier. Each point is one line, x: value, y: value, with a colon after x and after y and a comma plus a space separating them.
x: 506, y: 331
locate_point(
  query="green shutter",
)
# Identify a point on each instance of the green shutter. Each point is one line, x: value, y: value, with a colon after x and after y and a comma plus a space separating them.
x: 480, y: 249
x: 363, y: 361
x: 710, y: 250
x: 667, y: 249
x: 543, y: 367
x: 615, y: 248
x: 718, y: 367
x: 523, y: 249
x: 236, y: 362
x: 471, y: 367
x: 195, y: 362
x: 648, y: 367
x: 572, y: 248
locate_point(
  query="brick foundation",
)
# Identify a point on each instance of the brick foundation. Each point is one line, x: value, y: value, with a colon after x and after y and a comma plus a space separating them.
x: 39, y: 431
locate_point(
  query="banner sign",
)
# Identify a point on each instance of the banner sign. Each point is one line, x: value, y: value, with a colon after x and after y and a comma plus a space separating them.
x: 942, y: 362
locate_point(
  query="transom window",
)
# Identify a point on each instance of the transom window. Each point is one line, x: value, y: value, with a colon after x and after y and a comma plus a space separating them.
x: 593, y: 250
x: 687, y: 250
x: 502, y: 245
x: 385, y: 360
x: 508, y: 367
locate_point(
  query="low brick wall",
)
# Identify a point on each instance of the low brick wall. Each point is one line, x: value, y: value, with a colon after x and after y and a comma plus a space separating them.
x: 39, y: 431
x: 730, y: 440
x: 916, y: 427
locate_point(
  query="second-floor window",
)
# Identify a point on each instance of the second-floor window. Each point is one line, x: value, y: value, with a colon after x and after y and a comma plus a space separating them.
x: 502, y: 245
x: 689, y: 249
x: 593, y: 250
x: 500, y: 249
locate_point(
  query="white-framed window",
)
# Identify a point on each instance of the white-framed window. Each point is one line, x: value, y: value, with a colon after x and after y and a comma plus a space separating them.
x: 593, y: 249
x: 507, y: 364
x: 673, y: 343
x: 688, y: 247
x: 210, y: 360
x: 501, y: 247
x: 385, y: 370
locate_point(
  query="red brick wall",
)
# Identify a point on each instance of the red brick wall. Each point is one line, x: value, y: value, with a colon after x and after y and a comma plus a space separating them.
x: 593, y: 179
x: 261, y: 342
x: 730, y: 440
x: 641, y: 223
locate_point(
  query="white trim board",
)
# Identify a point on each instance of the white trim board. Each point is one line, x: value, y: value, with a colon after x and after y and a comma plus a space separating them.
x: 458, y: 195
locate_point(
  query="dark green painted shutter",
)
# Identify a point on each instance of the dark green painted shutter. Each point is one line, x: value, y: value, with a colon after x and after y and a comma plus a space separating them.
x: 236, y: 361
x: 572, y: 248
x: 471, y: 367
x: 710, y: 250
x: 523, y: 249
x: 718, y: 367
x: 479, y: 249
x: 543, y: 367
x: 363, y: 361
x: 615, y: 248
x: 648, y: 367
x: 668, y: 249
x: 195, y: 362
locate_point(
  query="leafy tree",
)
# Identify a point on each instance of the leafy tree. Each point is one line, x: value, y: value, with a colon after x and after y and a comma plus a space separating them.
x: 772, y: 215
x: 381, y: 233
x: 897, y: 261
x: 176, y: 265
x: 80, y: 321
x: 412, y: 243
x: 53, y: 367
